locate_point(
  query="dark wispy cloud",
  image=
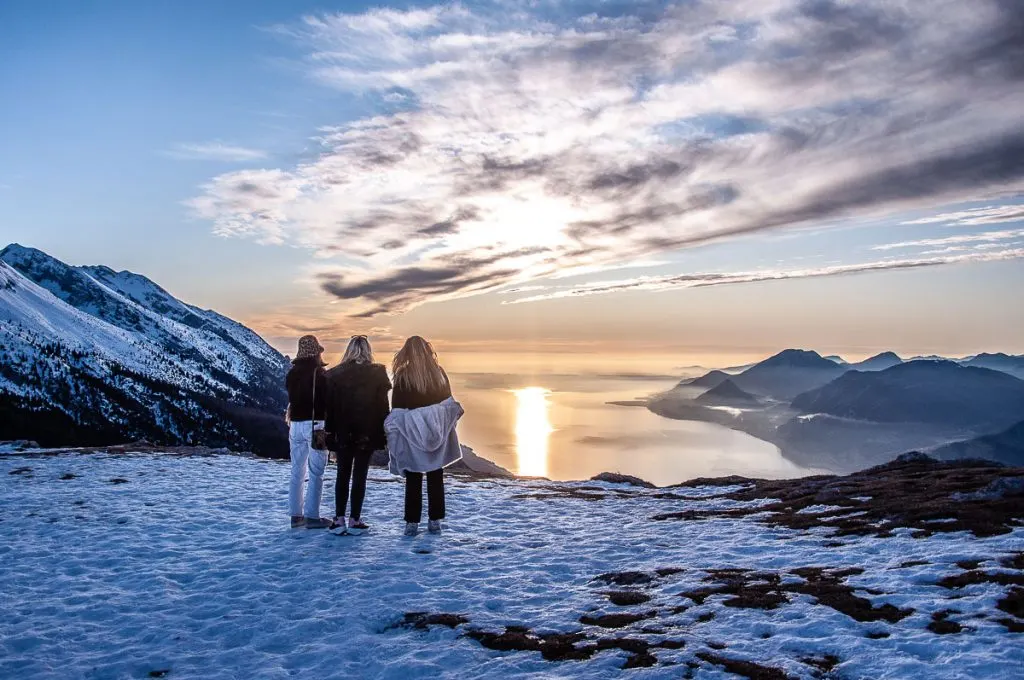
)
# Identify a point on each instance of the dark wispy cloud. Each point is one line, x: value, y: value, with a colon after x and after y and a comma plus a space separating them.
x: 519, y: 140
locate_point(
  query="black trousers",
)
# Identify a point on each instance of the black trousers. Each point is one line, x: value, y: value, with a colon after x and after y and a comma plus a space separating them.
x: 353, y: 463
x: 414, y: 495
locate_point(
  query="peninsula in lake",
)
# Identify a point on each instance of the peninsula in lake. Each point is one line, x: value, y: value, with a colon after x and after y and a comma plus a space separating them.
x: 824, y: 412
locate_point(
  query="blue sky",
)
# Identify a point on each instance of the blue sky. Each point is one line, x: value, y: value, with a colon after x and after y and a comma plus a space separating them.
x: 636, y: 171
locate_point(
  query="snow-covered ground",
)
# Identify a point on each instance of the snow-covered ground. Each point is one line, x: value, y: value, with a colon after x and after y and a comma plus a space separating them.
x: 126, y: 566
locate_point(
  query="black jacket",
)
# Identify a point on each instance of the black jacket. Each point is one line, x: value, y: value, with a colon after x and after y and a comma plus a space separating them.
x: 300, y: 389
x: 357, y: 404
x: 404, y: 398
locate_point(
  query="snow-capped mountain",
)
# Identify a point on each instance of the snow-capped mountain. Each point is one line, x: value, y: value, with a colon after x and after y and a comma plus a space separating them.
x: 91, y: 355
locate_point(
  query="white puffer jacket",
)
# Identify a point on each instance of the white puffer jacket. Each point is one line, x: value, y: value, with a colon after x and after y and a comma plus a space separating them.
x: 423, y: 439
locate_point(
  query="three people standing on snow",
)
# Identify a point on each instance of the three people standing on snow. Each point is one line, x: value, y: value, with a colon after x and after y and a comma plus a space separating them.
x: 350, y: 403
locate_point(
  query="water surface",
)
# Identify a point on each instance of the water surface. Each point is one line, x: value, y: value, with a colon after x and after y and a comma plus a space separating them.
x: 562, y: 427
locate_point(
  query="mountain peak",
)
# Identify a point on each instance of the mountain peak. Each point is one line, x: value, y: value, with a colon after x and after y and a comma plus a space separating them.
x: 802, y: 358
x: 16, y: 252
x: 727, y: 392
x: 879, y: 362
x: 710, y: 379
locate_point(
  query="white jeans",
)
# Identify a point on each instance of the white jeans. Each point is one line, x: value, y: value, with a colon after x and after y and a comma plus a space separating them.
x: 305, y: 459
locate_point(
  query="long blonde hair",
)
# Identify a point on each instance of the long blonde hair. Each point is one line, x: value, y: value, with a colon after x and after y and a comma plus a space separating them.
x: 415, y: 367
x: 358, y: 351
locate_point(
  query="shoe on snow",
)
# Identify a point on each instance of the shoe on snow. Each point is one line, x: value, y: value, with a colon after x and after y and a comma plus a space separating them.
x: 434, y: 526
x: 317, y: 523
x: 339, y: 527
x: 412, y: 528
x: 298, y: 522
x: 357, y: 526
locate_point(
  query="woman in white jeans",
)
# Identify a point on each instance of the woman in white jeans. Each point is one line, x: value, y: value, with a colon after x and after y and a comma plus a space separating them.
x: 307, y: 392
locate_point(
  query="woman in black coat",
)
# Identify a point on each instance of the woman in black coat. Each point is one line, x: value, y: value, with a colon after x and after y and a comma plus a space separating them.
x: 357, y: 404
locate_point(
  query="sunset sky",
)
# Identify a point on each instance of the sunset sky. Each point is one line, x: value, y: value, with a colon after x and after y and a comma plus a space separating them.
x: 696, y: 181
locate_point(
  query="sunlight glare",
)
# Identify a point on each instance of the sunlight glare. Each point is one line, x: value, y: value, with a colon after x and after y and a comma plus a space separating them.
x: 532, y: 430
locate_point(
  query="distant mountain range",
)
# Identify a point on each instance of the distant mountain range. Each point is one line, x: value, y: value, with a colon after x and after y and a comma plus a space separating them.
x: 930, y: 392
x: 94, y: 356
x: 824, y: 412
x: 1014, y: 365
x: 788, y: 373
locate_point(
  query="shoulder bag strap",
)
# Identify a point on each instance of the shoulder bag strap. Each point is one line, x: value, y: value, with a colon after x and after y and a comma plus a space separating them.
x: 312, y: 424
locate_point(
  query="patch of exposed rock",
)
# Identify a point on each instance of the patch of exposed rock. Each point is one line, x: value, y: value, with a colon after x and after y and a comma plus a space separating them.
x: 914, y: 491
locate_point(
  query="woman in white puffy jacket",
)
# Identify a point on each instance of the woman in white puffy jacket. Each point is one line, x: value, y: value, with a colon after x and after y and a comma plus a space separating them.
x: 421, y: 430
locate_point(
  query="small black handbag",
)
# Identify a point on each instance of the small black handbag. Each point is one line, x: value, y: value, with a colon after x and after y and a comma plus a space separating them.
x: 319, y: 439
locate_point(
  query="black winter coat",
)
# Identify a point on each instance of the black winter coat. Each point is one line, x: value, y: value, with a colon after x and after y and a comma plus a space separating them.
x: 300, y: 389
x: 357, y: 404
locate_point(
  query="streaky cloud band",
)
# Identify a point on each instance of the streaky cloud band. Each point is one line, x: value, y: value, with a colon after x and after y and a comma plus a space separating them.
x: 721, y: 279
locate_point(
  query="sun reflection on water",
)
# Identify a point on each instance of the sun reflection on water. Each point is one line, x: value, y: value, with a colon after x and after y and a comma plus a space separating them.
x: 532, y: 430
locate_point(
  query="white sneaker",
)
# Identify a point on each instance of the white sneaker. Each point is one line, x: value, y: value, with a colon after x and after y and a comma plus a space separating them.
x: 412, y: 528
x: 434, y: 526
x: 338, y: 528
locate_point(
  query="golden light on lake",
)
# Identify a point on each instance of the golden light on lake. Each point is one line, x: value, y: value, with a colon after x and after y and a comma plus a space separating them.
x: 532, y: 430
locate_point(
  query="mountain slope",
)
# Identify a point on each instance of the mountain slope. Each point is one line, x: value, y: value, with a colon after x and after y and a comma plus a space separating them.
x: 727, y: 393
x: 933, y: 392
x: 89, y: 362
x: 789, y: 373
x: 708, y: 380
x: 1005, y: 447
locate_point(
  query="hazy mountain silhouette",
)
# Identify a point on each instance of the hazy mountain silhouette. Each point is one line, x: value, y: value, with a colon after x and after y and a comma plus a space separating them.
x: 1005, y: 447
x: 788, y: 373
x: 727, y: 393
x: 708, y: 380
x: 1014, y: 365
x: 879, y: 362
x: 932, y: 392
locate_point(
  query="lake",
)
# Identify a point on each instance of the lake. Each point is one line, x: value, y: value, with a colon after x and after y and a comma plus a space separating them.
x: 562, y: 427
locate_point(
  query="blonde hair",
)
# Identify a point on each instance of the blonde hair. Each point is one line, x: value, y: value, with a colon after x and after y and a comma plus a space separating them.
x: 358, y: 351
x: 415, y: 367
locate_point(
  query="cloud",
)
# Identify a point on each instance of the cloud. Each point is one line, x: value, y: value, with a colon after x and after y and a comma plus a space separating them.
x: 661, y: 283
x: 522, y: 140
x: 994, y: 214
x: 984, y: 237
x: 215, y: 151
